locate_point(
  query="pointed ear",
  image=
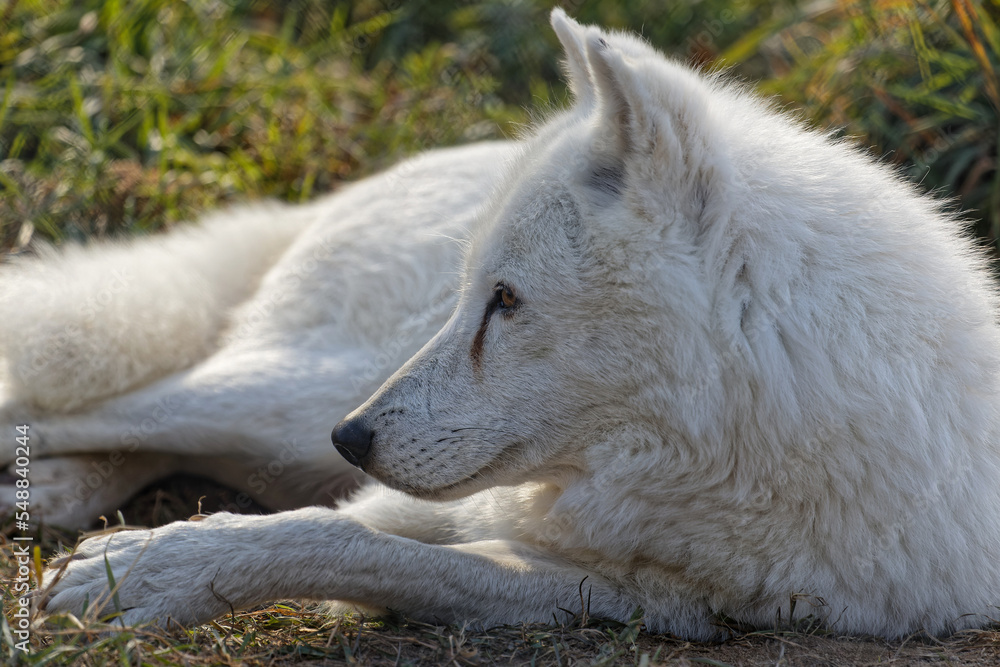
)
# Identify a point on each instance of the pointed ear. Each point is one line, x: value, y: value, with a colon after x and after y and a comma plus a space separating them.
x: 653, y: 123
x: 614, y: 95
x: 571, y: 35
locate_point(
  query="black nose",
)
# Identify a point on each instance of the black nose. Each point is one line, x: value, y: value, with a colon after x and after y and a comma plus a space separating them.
x: 353, y: 439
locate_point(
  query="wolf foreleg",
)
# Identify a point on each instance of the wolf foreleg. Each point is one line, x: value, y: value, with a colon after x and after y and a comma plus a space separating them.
x: 191, y: 572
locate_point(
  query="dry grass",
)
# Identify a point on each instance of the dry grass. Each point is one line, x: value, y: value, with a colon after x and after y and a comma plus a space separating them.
x: 291, y: 633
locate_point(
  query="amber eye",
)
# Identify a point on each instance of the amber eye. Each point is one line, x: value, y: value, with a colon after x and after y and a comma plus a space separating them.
x: 505, y: 297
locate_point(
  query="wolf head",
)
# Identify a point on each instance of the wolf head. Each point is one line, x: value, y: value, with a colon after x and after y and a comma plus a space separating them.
x: 675, y: 278
x: 584, y: 258
x: 733, y: 345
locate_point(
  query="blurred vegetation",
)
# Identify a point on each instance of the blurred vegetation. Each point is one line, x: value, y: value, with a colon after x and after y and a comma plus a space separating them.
x: 127, y: 116
x: 915, y: 80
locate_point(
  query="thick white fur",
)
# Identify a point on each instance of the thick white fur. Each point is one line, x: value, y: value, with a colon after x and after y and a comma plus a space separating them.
x: 335, y: 296
x: 746, y: 366
x: 78, y: 325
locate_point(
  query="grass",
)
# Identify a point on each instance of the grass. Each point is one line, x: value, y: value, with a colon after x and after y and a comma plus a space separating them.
x: 123, y: 118
x: 917, y: 81
x: 290, y: 633
x: 128, y: 117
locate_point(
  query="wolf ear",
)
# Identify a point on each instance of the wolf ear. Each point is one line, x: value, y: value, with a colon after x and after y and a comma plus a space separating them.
x: 651, y: 117
x: 596, y: 72
x: 571, y: 35
x: 617, y: 100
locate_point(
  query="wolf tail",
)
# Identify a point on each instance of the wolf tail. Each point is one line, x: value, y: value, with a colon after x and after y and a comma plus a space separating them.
x: 83, y: 323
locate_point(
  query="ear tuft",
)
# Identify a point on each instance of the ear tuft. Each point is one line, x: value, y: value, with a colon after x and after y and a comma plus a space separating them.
x: 570, y: 34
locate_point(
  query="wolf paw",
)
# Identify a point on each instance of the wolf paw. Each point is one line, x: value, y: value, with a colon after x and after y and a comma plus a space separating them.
x: 57, y: 488
x: 72, y: 491
x: 177, y: 573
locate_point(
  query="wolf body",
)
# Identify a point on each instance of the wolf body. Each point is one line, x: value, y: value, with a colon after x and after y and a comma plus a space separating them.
x: 228, y: 349
x: 702, y: 360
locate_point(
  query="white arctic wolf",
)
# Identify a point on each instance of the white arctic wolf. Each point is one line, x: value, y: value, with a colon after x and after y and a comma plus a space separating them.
x: 702, y: 361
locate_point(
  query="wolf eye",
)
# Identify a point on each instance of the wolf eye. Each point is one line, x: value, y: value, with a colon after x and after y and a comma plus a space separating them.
x: 505, y: 297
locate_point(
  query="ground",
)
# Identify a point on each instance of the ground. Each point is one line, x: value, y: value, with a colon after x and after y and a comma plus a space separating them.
x: 291, y: 633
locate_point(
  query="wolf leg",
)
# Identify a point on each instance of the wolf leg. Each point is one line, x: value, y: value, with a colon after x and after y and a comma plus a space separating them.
x: 72, y: 491
x: 321, y: 554
x: 258, y: 420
